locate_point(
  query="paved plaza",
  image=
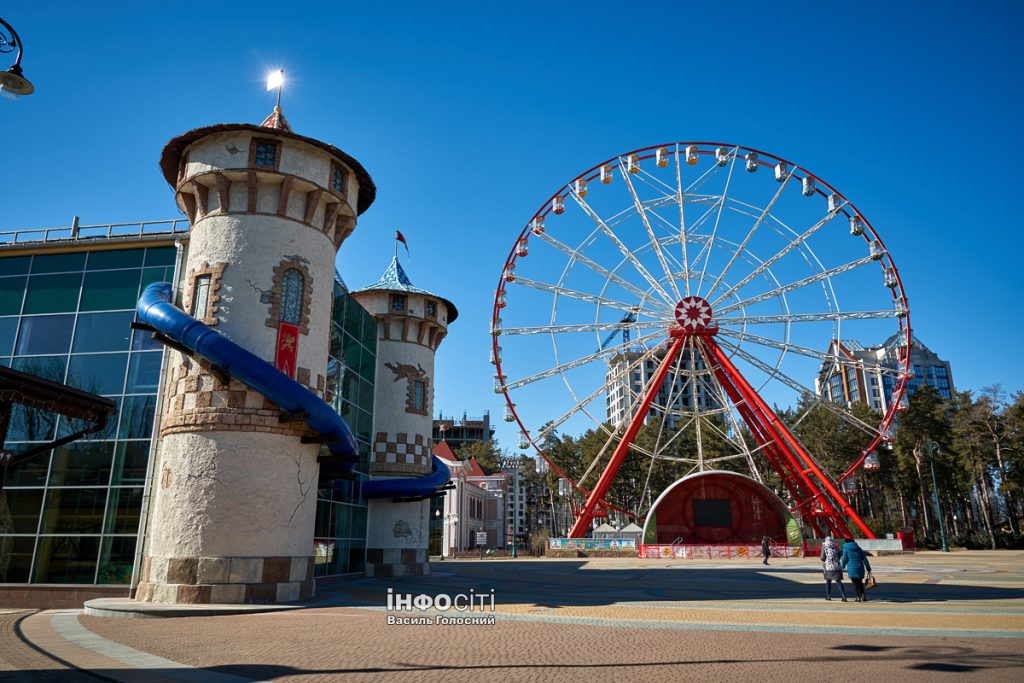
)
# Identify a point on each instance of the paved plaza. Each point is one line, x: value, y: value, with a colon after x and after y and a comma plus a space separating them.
x: 932, y: 616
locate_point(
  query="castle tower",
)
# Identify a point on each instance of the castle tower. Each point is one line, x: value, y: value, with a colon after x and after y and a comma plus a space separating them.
x: 235, y: 486
x: 411, y: 323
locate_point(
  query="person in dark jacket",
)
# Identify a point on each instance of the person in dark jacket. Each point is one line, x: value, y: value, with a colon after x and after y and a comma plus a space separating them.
x: 831, y: 568
x: 855, y: 562
x: 766, y: 548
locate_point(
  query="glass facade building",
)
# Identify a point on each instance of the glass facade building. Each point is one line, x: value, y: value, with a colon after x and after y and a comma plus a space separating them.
x: 72, y: 515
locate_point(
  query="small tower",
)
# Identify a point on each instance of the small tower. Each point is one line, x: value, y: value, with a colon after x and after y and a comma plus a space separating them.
x: 411, y: 323
x: 236, y: 481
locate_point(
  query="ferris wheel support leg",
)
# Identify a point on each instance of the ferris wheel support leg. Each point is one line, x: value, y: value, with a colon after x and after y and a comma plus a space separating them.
x: 597, y: 494
x: 793, y: 477
x: 790, y: 441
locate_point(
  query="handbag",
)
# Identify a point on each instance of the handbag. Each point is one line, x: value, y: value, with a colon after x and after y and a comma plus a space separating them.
x: 869, y: 582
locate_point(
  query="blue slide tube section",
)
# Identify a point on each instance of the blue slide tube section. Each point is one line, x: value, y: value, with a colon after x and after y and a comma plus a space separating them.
x: 156, y: 310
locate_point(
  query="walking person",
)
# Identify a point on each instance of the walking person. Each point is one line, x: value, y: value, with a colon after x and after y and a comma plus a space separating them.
x: 855, y: 562
x: 766, y: 548
x: 832, y: 568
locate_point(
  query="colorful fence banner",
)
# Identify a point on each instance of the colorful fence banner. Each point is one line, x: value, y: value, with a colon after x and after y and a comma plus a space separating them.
x: 592, y: 543
x: 716, y: 552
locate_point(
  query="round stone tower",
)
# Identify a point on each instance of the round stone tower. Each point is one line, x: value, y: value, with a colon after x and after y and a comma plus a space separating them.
x: 235, y: 486
x: 411, y: 323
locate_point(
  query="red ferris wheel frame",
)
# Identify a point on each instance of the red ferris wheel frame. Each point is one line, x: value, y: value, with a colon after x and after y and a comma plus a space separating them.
x: 815, y: 493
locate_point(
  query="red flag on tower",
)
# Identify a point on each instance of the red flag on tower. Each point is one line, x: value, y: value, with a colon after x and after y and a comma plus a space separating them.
x: 401, y: 238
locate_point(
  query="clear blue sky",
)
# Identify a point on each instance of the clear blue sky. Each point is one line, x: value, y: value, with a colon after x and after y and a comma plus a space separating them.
x: 469, y: 116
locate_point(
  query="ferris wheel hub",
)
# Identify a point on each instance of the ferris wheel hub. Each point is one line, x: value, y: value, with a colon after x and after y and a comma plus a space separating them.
x: 693, y: 315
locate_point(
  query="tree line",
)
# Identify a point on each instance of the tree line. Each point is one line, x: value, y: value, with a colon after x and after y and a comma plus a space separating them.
x: 975, y: 444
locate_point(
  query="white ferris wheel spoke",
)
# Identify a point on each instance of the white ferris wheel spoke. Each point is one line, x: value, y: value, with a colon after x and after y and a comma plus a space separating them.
x: 591, y: 298
x: 800, y: 388
x: 650, y: 232
x: 621, y: 247
x: 583, y: 327
x: 785, y: 289
x: 598, y: 355
x: 796, y: 242
x: 831, y: 316
x: 579, y: 257
x: 750, y: 233
x: 682, y: 221
x: 579, y: 405
x: 780, y: 345
x: 718, y: 219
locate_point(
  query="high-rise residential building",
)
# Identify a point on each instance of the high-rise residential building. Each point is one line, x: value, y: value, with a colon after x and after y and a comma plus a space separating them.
x: 683, y: 391
x: 460, y: 432
x: 868, y: 374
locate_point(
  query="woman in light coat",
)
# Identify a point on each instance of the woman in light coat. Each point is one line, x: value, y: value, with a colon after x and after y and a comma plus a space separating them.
x: 832, y: 568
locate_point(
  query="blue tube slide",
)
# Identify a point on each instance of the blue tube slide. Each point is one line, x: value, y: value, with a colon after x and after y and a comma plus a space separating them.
x: 156, y: 310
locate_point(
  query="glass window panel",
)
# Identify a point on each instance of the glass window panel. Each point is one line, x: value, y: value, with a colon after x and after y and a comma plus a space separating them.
x: 31, y: 425
x: 358, y: 529
x: 200, y: 296
x: 118, y: 258
x: 17, y: 558
x: 137, y: 417
x: 47, y: 367
x: 266, y: 154
x: 108, y: 290
x: 143, y: 341
x: 130, y: 460
x: 151, y: 275
x: 323, y: 518
x: 292, y: 290
x: 354, y: 313
x: 66, y: 427
x: 160, y: 256
x: 124, y: 505
x: 32, y: 472
x: 323, y: 555
x: 84, y: 463
x: 143, y: 373
x: 15, y: 265
x: 103, y: 332
x: 53, y: 293
x: 351, y: 352
x: 98, y: 373
x: 342, y: 520
x: 66, y: 559
x: 12, y: 291
x: 58, y: 263
x: 117, y: 557
x: 45, y: 334
x: 23, y: 506
x: 8, y: 333
x: 73, y: 511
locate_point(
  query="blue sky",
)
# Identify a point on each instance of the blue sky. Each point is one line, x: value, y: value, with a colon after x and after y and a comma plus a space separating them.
x: 469, y: 117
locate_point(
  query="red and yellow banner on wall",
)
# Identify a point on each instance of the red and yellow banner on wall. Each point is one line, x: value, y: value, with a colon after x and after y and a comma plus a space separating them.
x: 287, y: 348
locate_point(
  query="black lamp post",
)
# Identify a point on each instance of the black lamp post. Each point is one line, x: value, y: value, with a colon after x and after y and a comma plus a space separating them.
x: 12, y: 83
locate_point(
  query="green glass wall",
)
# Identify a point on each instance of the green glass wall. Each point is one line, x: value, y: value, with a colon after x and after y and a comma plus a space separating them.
x: 72, y: 514
x: 340, y: 536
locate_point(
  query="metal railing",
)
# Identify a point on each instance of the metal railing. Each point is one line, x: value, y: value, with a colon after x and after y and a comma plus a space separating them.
x: 89, y: 232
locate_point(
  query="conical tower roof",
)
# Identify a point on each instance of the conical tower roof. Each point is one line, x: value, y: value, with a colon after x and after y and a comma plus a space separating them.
x: 395, y: 279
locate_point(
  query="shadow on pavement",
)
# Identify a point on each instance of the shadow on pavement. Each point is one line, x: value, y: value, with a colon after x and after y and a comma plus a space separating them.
x: 939, y: 659
x: 562, y: 584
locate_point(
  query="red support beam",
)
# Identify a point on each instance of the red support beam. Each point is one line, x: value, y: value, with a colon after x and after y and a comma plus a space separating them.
x: 789, y: 440
x: 582, y: 525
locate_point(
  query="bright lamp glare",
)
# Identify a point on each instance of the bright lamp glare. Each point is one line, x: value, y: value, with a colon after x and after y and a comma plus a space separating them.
x: 275, y: 79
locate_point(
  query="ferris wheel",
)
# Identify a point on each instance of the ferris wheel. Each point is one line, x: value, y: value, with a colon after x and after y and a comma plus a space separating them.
x: 701, y: 287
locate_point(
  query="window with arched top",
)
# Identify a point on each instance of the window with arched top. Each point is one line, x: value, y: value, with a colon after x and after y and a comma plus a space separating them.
x: 293, y: 286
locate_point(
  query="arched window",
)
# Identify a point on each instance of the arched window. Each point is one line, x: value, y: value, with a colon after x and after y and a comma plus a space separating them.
x: 292, y: 286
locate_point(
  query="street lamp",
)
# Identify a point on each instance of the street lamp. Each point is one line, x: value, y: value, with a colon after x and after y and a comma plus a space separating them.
x: 929, y: 445
x: 452, y: 519
x: 437, y: 516
x: 12, y: 84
